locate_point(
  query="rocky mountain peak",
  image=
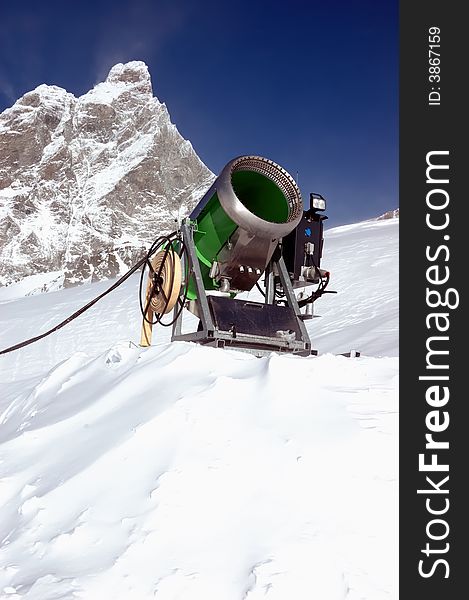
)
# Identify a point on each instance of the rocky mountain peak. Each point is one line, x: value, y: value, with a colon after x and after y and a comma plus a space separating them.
x: 134, y: 73
x: 86, y: 183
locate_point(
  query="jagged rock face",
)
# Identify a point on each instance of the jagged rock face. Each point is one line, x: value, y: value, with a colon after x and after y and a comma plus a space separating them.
x: 86, y: 183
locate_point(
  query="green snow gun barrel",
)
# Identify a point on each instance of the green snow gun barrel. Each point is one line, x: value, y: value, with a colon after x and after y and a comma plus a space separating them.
x: 238, y: 222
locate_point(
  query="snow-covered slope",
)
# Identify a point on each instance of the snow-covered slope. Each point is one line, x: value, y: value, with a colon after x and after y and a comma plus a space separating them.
x: 85, y: 183
x: 182, y: 472
x: 364, y: 262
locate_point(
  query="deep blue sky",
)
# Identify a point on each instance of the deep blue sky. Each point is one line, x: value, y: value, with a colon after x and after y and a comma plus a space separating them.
x: 313, y: 85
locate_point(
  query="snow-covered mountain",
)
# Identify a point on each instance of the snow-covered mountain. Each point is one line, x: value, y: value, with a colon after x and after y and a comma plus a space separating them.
x: 86, y: 183
x: 183, y: 472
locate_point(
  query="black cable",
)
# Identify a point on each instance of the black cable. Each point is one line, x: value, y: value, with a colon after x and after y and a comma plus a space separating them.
x: 169, y: 240
x: 259, y: 288
x: 163, y: 240
x: 78, y: 312
x: 182, y: 302
x: 324, y: 282
x: 280, y: 295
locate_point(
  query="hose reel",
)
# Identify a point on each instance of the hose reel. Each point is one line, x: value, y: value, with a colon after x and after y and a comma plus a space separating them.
x: 164, y: 284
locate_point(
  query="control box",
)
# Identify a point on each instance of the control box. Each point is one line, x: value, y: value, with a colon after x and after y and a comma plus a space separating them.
x: 302, y: 248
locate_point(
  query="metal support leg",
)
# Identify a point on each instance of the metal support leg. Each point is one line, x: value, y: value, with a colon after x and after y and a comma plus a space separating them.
x: 194, y: 268
x: 291, y: 298
x: 269, y: 284
x: 177, y: 325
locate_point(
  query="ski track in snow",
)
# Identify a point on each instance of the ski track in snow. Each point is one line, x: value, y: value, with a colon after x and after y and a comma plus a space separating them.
x: 186, y: 472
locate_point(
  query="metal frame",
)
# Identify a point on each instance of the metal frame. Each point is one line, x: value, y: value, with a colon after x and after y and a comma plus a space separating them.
x: 210, y: 335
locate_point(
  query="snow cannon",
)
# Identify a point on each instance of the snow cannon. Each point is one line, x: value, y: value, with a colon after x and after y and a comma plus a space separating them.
x: 232, y: 239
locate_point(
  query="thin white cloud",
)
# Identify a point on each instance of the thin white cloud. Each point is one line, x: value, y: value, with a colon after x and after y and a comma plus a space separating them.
x: 7, y: 89
x: 138, y: 32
